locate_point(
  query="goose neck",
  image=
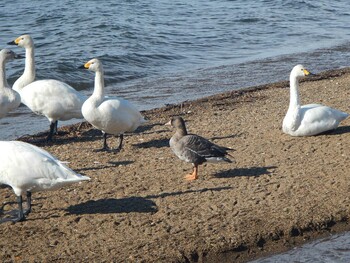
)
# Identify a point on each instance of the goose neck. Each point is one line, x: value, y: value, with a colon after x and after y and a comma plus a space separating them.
x: 181, y: 132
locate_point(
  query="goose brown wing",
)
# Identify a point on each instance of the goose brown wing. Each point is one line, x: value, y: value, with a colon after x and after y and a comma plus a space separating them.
x: 197, y: 149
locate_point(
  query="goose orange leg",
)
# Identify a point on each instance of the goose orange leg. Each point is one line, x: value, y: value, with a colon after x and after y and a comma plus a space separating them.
x: 193, y: 175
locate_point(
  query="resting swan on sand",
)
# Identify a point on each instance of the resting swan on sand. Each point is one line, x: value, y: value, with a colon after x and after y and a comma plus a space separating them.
x: 9, y: 98
x: 28, y: 168
x: 111, y: 115
x: 54, y: 99
x: 311, y: 119
x: 194, y: 149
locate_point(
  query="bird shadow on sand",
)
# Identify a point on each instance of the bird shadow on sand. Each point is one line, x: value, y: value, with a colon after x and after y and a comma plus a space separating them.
x: 157, y: 143
x: 104, y: 166
x: 237, y: 172
x: 162, y: 195
x: 338, y: 131
x: 63, y: 137
x: 226, y: 137
x: 144, y: 128
x: 112, y: 206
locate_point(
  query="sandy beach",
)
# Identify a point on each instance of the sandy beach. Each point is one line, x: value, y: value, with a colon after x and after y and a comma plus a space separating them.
x: 280, y: 192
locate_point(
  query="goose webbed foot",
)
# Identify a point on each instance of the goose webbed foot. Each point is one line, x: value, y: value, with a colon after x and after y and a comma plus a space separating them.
x: 192, y: 176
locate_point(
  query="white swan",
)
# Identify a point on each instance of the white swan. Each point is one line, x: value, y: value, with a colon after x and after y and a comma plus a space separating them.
x: 9, y: 98
x: 111, y: 115
x: 28, y: 168
x: 54, y: 99
x: 311, y: 119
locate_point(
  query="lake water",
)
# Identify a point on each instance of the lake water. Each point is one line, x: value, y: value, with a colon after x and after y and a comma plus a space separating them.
x: 160, y: 52
x: 333, y: 249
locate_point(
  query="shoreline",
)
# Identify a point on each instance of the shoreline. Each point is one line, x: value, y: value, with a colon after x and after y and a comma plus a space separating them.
x: 274, y: 197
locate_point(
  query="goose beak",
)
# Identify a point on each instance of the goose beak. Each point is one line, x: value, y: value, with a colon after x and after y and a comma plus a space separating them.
x: 168, y: 123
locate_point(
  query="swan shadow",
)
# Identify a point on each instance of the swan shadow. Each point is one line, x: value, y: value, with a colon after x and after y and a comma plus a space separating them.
x: 237, y: 172
x: 63, y: 137
x: 112, y: 206
x: 146, y: 127
x: 157, y: 143
x: 162, y: 195
x: 113, y: 164
x: 338, y: 131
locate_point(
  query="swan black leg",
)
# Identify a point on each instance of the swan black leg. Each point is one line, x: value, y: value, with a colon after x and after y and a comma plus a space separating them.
x: 52, y: 128
x: 55, y: 130
x: 105, y: 147
x: 29, y: 204
x: 20, y: 210
x: 121, y: 137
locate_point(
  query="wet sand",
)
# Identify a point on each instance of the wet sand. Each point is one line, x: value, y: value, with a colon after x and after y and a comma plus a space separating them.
x: 280, y: 191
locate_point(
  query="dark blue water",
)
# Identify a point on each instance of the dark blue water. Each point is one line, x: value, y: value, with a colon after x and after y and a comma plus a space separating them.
x: 159, y: 52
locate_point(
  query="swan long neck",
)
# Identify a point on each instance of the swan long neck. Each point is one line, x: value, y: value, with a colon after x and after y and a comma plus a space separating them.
x: 3, y: 80
x: 99, y: 86
x: 29, y: 69
x: 294, y: 92
x: 28, y: 75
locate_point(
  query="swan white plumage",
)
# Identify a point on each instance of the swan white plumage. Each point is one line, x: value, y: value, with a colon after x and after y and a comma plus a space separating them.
x: 9, y: 98
x: 28, y: 168
x: 311, y: 119
x: 54, y: 99
x: 111, y: 115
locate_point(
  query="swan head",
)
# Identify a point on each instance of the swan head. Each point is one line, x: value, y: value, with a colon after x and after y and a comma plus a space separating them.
x: 8, y: 55
x: 94, y: 65
x: 24, y: 41
x: 300, y: 71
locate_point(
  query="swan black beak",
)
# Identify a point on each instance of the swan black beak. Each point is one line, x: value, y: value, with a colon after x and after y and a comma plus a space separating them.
x: 12, y: 43
x: 82, y: 67
x: 17, y: 56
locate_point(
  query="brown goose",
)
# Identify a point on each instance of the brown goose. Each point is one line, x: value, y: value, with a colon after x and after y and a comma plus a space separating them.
x: 194, y: 149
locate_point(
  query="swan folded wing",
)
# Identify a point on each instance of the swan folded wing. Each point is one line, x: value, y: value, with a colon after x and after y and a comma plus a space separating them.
x: 51, y: 98
x: 33, y: 169
x: 121, y: 114
x: 321, y: 117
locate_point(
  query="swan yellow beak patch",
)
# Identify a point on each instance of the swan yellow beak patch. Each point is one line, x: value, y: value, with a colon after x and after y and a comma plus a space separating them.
x: 306, y: 72
x: 17, y: 40
x: 87, y: 65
